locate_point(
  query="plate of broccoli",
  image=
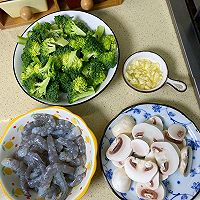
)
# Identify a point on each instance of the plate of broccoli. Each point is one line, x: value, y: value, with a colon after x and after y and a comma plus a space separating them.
x: 66, y: 58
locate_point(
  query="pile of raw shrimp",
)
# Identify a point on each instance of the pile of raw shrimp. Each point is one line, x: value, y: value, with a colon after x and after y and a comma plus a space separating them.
x: 50, y: 158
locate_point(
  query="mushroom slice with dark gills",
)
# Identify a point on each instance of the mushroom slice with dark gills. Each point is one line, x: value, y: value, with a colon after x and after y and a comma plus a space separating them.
x: 177, y: 132
x: 140, y: 170
x: 124, y: 125
x: 120, y: 149
x: 186, y: 160
x: 147, y: 132
x: 146, y: 193
x: 154, y: 183
x: 166, y: 156
x: 156, y: 121
x: 140, y: 148
x: 120, y: 181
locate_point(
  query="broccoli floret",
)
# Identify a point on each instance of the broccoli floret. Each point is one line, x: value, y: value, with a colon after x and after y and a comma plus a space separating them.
x: 64, y: 82
x: 26, y: 58
x: 109, y: 59
x: 48, y: 46
x: 40, y: 88
x: 81, y: 25
x: 30, y: 71
x: 52, y: 93
x: 77, y: 42
x: 79, y: 89
x: 71, y: 64
x: 29, y: 84
x: 92, y: 48
x: 61, y: 41
x: 61, y: 21
x: 21, y: 40
x: 72, y: 29
x: 99, y: 32
x: 95, y: 73
x: 48, y: 70
x: 41, y: 31
x: 109, y: 43
x: 58, y: 55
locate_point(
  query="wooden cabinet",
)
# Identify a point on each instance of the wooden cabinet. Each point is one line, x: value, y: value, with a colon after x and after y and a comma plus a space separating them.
x: 53, y: 5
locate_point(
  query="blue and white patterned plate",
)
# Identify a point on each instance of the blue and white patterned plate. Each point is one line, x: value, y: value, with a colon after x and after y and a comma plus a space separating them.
x: 177, y: 186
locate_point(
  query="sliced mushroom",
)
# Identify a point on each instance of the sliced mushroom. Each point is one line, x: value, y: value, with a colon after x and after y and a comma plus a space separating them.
x: 140, y: 170
x: 163, y: 177
x: 147, y: 132
x: 186, y: 160
x: 120, y: 181
x: 180, y: 145
x: 120, y: 149
x: 146, y: 193
x: 176, y: 148
x: 177, y: 132
x: 150, y: 157
x: 124, y: 125
x: 156, y: 121
x: 154, y: 183
x: 166, y: 157
x: 140, y: 148
x: 118, y: 164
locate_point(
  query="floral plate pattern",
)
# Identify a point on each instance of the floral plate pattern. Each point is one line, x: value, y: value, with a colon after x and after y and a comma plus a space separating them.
x: 12, y: 138
x: 177, y: 186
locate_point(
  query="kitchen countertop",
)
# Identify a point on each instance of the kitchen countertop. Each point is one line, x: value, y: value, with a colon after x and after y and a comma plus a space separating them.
x: 138, y: 25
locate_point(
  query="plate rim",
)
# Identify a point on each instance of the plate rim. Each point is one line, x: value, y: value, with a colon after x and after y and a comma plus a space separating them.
x: 124, y: 109
x: 66, y: 105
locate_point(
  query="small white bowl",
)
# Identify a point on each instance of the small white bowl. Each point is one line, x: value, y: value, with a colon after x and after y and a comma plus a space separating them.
x: 178, y: 85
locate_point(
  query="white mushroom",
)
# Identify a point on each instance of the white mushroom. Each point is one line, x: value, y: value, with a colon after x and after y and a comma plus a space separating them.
x: 154, y: 183
x: 177, y: 132
x: 180, y: 145
x: 120, y: 181
x: 163, y: 177
x: 147, y: 132
x: 140, y: 170
x: 119, y: 164
x: 156, y: 121
x: 120, y: 149
x: 124, y: 125
x: 150, y: 157
x: 140, y: 147
x: 166, y: 157
x: 186, y: 160
x: 146, y: 193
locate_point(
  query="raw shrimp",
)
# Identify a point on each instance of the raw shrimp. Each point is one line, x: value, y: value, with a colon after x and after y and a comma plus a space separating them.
x: 79, y: 170
x: 66, y: 169
x: 59, y: 147
x: 19, y: 168
x: 69, y: 145
x: 63, y: 124
x: 46, y: 118
x: 68, y: 155
x: 80, y: 160
x: 73, y: 133
x: 81, y: 145
x: 59, y: 180
x: 53, y: 155
x: 77, y: 180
